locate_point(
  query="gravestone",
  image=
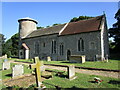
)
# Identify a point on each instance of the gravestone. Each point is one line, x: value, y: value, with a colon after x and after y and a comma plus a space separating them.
x: 98, y: 57
x: 6, y: 65
x: 17, y: 71
x: 71, y: 72
x: 5, y: 56
x: 48, y: 58
x: 106, y: 58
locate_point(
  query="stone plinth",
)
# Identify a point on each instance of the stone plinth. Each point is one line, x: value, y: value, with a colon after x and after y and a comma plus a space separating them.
x: 71, y: 72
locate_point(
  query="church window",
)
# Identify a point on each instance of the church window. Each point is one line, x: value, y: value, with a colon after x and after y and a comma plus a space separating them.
x: 80, y: 45
x: 61, y: 49
x: 36, y: 48
x: 53, y: 46
x: 21, y: 53
x: 44, y: 44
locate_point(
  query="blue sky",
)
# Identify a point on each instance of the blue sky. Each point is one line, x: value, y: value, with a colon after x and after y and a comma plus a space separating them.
x: 48, y: 13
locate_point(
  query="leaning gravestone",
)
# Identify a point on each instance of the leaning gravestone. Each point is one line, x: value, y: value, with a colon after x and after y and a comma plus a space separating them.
x: 6, y: 65
x: 18, y: 70
x: 71, y: 72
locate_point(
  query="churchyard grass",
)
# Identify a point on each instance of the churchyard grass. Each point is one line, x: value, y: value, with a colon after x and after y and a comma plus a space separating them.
x: 7, y: 74
x: 22, y: 60
x: 111, y: 64
x: 82, y: 81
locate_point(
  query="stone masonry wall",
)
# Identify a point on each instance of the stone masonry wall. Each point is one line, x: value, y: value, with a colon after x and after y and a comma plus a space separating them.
x: 70, y: 42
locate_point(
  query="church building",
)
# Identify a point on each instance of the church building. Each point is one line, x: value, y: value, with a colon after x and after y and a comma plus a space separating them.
x: 85, y: 37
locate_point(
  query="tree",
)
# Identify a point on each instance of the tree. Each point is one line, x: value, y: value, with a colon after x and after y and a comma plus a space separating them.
x: 115, y: 32
x: 55, y: 24
x: 10, y: 47
x: 40, y: 27
x: 75, y: 19
x: 2, y: 40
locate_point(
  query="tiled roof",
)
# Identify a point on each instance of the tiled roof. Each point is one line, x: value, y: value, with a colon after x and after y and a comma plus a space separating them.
x: 46, y: 31
x: 89, y: 25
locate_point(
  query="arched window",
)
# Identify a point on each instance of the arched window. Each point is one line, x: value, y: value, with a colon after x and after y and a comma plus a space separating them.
x: 53, y: 47
x: 61, y: 49
x: 36, y: 48
x: 80, y: 45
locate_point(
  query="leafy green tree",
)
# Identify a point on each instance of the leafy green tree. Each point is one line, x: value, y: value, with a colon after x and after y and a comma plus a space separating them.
x: 10, y: 47
x: 40, y: 27
x: 55, y: 24
x: 75, y: 19
x: 115, y: 32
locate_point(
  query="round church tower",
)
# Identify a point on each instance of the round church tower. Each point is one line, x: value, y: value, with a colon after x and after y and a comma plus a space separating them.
x: 26, y: 26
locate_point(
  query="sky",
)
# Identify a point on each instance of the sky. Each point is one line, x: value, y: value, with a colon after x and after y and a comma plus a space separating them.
x: 49, y: 13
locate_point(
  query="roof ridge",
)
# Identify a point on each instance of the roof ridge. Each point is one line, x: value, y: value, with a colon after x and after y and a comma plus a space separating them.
x: 51, y: 26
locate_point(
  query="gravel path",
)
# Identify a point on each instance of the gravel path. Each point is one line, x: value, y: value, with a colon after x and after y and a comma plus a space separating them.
x: 90, y: 72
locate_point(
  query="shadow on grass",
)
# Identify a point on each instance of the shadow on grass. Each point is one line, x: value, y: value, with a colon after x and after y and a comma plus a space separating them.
x: 68, y: 62
x: 75, y: 88
x: 62, y: 76
x: 114, y: 82
x: 92, y: 81
x: 8, y: 75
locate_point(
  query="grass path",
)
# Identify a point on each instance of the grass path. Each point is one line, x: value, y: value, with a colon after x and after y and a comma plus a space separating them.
x: 89, y: 72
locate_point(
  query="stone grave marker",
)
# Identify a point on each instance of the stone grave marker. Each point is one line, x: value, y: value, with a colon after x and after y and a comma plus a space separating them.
x: 17, y: 71
x: 6, y: 65
x: 5, y: 56
x: 37, y: 65
x: 71, y: 72
x: 48, y: 58
x: 106, y: 58
x: 98, y: 57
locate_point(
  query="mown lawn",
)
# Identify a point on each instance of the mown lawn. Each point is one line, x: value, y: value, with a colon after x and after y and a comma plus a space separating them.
x: 82, y: 81
x: 7, y: 74
x: 111, y: 64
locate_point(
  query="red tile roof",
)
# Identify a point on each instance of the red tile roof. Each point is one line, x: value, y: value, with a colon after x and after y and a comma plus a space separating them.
x: 89, y: 25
